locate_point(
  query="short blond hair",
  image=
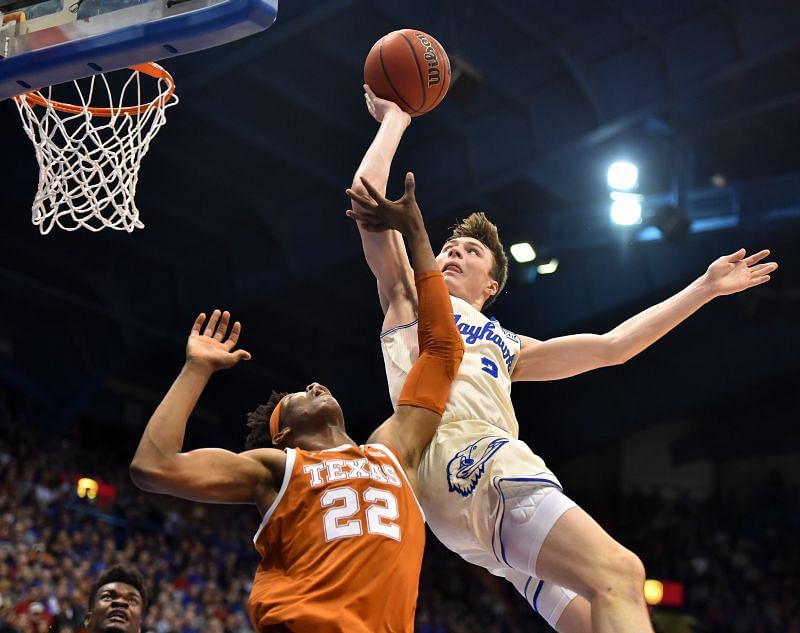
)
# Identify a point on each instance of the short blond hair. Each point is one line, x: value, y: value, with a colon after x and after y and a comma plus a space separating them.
x: 479, y: 227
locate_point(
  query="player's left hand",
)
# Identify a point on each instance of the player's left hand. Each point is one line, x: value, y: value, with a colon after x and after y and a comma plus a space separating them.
x: 213, y: 348
x: 378, y: 107
x: 735, y: 272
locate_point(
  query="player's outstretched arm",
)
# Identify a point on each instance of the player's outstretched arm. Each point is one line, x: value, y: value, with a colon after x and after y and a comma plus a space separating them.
x: 384, y: 251
x: 570, y: 355
x: 424, y: 395
x: 210, y: 474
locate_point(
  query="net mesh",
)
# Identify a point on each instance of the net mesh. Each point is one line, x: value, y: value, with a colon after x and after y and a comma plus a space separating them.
x: 89, y: 156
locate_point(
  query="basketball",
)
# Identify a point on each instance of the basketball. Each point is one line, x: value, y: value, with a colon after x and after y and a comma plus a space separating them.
x: 410, y: 68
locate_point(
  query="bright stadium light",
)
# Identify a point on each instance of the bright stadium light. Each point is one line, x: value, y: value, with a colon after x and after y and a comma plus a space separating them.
x: 626, y: 211
x: 548, y: 268
x: 653, y: 592
x: 623, y: 176
x: 87, y: 487
x: 522, y: 252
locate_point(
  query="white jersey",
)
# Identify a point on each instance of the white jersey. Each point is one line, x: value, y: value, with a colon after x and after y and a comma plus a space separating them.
x: 475, y: 454
x: 482, y: 388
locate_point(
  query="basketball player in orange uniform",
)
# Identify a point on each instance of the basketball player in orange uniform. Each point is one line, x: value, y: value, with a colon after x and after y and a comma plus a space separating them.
x: 342, y: 535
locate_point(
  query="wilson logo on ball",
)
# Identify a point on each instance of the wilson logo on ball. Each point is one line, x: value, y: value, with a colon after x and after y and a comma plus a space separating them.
x: 431, y: 58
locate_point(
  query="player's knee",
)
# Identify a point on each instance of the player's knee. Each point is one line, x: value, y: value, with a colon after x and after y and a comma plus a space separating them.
x: 631, y: 569
x: 623, y: 576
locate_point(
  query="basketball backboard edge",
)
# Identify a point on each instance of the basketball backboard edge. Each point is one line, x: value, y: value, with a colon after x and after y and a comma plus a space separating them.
x: 65, y: 45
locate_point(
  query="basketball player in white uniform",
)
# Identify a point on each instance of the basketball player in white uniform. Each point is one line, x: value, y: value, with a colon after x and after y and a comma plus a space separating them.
x: 486, y: 495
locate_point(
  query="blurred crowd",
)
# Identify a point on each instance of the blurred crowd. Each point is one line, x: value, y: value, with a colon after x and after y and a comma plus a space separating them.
x: 197, y: 559
x: 737, y: 555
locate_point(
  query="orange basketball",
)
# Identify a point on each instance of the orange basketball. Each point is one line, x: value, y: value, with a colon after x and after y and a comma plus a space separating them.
x: 410, y: 68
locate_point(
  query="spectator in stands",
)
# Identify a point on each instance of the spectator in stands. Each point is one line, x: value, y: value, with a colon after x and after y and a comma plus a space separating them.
x: 116, y: 602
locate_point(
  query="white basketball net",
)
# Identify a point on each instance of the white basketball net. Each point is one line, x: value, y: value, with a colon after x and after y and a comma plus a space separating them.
x: 89, y: 162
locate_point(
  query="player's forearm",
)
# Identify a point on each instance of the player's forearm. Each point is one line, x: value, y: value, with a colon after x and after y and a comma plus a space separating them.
x: 419, y: 245
x: 384, y: 252
x: 163, y: 437
x: 377, y: 161
x: 639, y: 332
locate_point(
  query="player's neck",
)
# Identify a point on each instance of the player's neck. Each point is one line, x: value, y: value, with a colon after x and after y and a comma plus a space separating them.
x: 476, y: 303
x: 463, y: 292
x: 329, y: 437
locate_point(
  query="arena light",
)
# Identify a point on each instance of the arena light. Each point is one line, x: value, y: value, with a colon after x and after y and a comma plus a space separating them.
x: 626, y: 210
x: 666, y: 593
x: 653, y: 591
x: 522, y: 252
x: 87, y: 488
x: 623, y: 176
x: 548, y: 268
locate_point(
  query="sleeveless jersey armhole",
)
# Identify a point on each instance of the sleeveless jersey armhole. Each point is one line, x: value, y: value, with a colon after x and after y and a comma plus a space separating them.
x: 287, y: 475
x: 396, y: 328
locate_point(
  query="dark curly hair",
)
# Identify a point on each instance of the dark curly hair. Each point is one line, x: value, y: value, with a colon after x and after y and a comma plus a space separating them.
x: 119, y: 573
x: 258, y: 423
x: 479, y: 227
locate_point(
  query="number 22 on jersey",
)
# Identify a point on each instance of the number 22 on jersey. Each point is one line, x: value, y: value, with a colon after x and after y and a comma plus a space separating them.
x: 343, y: 502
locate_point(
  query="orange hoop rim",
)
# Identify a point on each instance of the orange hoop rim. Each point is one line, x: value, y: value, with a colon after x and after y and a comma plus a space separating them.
x: 150, y: 68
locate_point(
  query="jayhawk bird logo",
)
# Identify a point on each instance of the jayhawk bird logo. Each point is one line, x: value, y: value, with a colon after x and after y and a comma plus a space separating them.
x: 467, y: 466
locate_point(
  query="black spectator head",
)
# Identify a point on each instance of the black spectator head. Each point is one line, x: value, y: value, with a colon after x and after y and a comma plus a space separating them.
x: 116, y: 601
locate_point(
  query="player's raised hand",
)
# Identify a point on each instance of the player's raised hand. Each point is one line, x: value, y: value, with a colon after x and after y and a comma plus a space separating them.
x: 735, y: 272
x: 213, y: 347
x: 379, y: 107
x: 375, y: 213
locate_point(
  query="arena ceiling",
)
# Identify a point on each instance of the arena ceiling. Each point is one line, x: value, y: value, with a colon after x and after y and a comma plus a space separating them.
x: 243, y: 199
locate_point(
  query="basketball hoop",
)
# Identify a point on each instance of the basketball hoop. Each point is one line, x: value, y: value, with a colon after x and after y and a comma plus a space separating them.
x: 89, y: 155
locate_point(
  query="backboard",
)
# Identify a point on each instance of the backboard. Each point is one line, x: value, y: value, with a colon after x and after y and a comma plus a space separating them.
x: 47, y: 43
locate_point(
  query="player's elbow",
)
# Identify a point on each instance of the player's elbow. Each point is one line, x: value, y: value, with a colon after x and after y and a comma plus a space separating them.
x: 448, y: 352
x: 614, y: 350
x: 146, y: 475
x: 140, y: 475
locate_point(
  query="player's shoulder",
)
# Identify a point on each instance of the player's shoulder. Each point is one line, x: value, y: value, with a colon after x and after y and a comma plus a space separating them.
x: 463, y: 307
x: 402, y: 309
x: 398, y: 321
x: 509, y: 334
x: 264, y: 453
x: 272, y: 458
x: 378, y: 450
x: 512, y: 335
x: 342, y: 451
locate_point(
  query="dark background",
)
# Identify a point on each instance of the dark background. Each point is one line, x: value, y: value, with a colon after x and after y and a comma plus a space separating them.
x: 242, y: 197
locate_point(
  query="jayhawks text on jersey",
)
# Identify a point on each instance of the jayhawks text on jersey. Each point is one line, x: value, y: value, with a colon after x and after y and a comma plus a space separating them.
x: 473, y: 333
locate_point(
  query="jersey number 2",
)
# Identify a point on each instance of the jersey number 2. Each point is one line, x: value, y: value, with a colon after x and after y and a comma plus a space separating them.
x: 489, y: 366
x: 381, y: 510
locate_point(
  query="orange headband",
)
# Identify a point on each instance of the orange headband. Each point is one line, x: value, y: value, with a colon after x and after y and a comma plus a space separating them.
x: 275, y: 420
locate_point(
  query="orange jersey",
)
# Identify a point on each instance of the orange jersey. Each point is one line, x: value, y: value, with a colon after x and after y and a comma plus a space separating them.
x: 341, y: 546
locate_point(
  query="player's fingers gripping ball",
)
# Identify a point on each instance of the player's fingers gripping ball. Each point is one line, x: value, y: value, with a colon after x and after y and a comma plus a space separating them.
x: 410, y: 68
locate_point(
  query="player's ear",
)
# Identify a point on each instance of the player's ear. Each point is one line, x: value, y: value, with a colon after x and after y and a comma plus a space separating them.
x: 491, y: 288
x: 283, y: 438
